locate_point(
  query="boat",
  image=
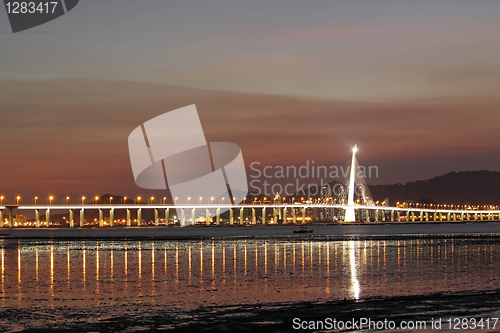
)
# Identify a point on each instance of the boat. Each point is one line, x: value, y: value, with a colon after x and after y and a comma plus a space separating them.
x: 303, y: 230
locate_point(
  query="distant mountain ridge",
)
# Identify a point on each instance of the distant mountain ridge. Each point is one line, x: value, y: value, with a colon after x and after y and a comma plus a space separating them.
x: 458, y: 188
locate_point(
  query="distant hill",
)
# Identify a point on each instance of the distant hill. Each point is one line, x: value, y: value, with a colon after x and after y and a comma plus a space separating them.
x: 459, y: 188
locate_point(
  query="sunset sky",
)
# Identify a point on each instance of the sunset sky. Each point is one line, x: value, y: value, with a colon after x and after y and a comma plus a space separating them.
x: 415, y: 84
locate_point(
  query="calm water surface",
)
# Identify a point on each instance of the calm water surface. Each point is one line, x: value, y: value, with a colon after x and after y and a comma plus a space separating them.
x: 52, y: 273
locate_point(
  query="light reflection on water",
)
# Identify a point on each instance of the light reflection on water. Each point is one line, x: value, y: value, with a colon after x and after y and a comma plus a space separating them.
x: 297, y: 268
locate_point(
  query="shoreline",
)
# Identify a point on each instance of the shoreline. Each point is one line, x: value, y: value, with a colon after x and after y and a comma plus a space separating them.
x: 487, y: 229
x: 262, y: 316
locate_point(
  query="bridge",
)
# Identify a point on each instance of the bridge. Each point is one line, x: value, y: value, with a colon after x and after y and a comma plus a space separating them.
x: 281, y: 213
x: 274, y: 213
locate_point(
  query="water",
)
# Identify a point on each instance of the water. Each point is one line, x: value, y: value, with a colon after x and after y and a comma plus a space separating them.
x: 46, y: 276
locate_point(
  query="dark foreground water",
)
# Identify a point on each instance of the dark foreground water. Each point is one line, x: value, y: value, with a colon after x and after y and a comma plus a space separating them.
x: 243, y: 283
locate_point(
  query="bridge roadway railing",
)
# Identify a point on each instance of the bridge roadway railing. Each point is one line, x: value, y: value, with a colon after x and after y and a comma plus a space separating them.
x: 297, y: 213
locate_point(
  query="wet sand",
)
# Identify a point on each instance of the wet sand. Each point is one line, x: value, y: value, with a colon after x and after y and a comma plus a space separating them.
x: 276, y: 317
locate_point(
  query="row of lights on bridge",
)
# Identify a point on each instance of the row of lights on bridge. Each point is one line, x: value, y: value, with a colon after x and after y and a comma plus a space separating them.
x: 50, y: 199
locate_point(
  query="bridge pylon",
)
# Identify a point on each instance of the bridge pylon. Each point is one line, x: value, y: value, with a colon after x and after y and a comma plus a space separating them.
x: 350, y: 214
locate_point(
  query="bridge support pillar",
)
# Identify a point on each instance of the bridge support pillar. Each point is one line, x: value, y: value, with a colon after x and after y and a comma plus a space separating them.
x: 47, y: 217
x: 275, y: 218
x: 241, y: 216
x: 294, y: 216
x: 231, y: 216
x: 139, y: 216
x: 112, y: 217
x: 475, y: 216
x: 413, y: 216
x: 285, y: 215
x: 392, y: 216
x: 37, y: 218
x: 303, y: 215
x: 182, y: 219
x: 448, y: 217
x: 254, y: 218
x: 218, y: 216
x: 157, y: 219
x: 71, y: 219
x: 398, y: 216
x: 193, y: 216
x: 207, y: 212
x: 375, y: 215
x: 11, y: 222
x: 263, y: 215
x: 101, y: 219
x: 129, y: 219
x: 82, y: 213
x: 167, y: 216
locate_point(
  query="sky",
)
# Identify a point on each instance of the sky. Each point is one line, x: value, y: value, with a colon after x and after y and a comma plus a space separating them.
x: 416, y: 85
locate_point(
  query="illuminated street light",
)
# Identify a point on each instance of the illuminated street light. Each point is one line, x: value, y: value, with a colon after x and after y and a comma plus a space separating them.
x: 83, y: 199
x: 17, y: 202
x: 35, y: 200
x: 110, y: 200
x: 164, y: 200
x: 96, y: 198
x: 138, y: 200
x: 67, y: 199
x: 1, y: 200
x: 124, y: 200
x: 199, y: 201
x: 50, y: 200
